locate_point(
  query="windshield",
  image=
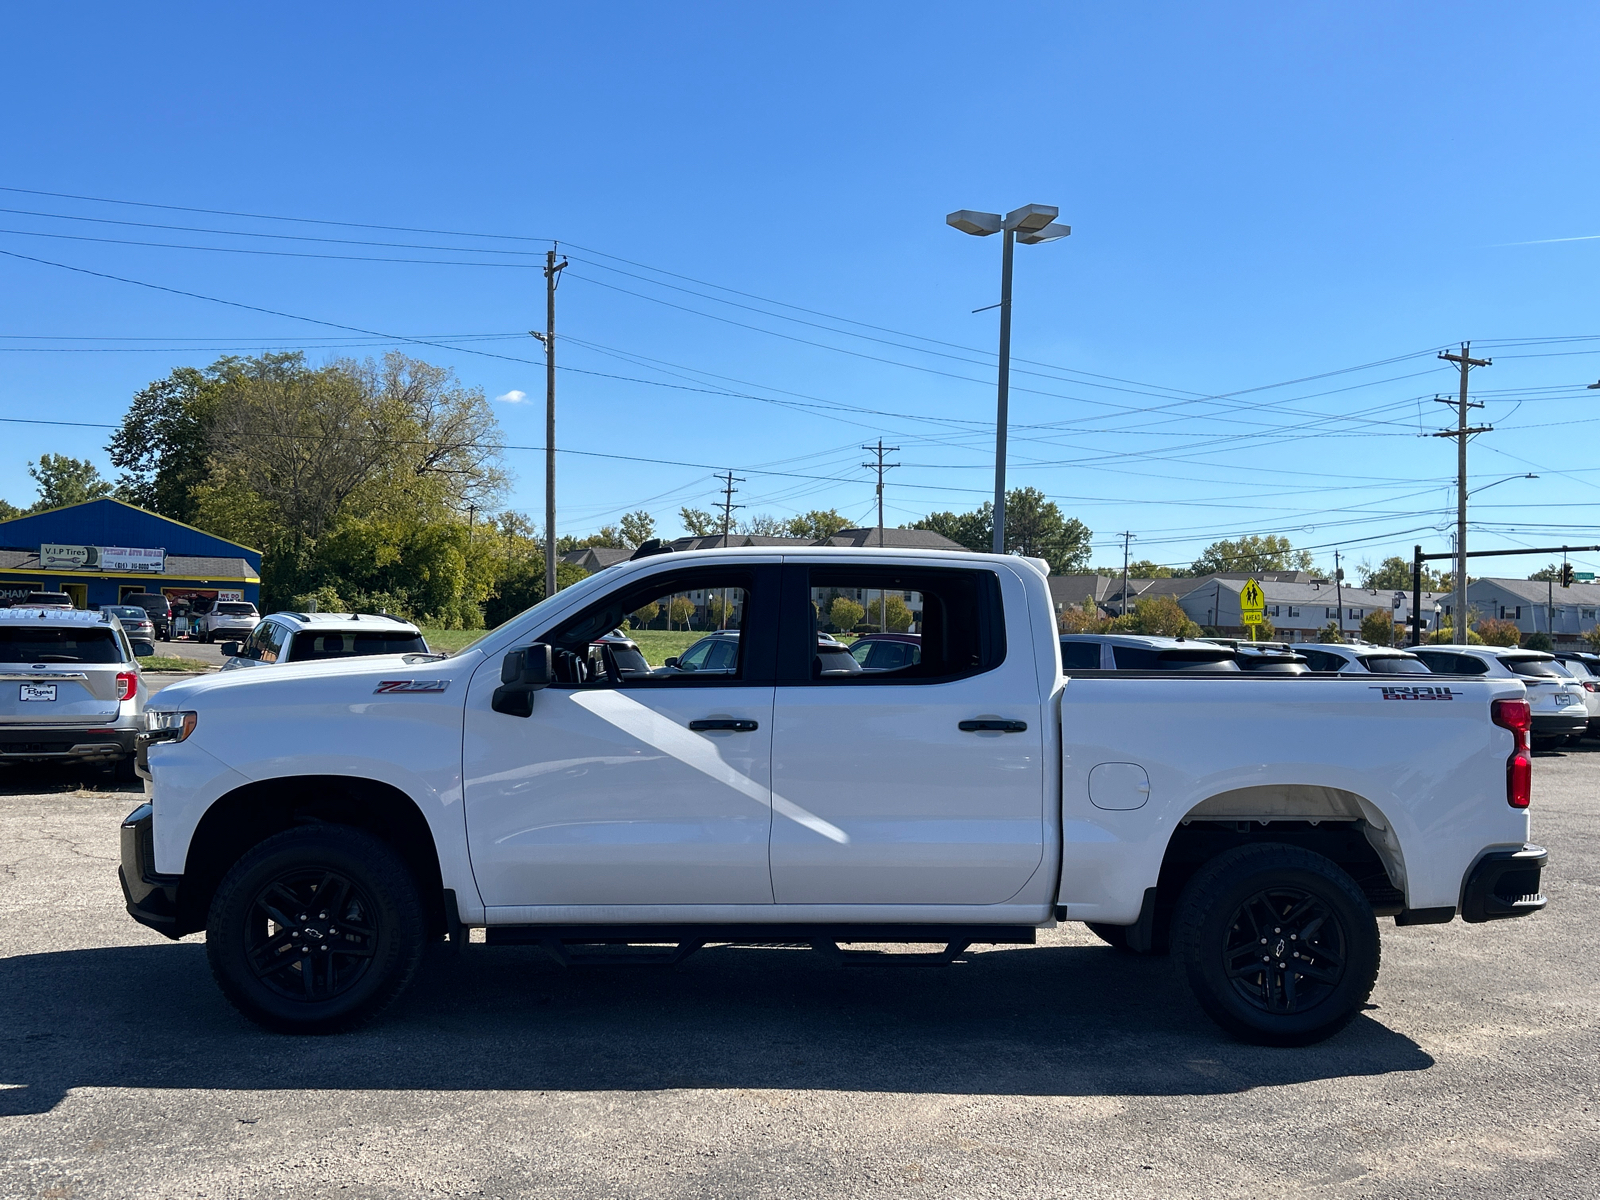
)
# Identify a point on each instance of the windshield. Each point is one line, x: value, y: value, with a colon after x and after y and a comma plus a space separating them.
x: 1394, y: 664
x: 1532, y: 668
x: 127, y: 612
x: 70, y: 644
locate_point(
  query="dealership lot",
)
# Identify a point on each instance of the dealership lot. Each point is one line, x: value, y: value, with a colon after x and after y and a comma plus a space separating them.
x: 1066, y: 1068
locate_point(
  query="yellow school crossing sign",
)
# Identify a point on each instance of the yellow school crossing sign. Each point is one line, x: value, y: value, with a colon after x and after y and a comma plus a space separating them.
x: 1252, y: 604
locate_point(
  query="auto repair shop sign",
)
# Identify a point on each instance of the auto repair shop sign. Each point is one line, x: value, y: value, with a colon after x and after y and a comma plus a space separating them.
x: 133, y: 560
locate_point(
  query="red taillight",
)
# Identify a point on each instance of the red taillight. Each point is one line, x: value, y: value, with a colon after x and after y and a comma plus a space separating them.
x: 1590, y: 685
x: 1517, y: 716
x: 127, y: 685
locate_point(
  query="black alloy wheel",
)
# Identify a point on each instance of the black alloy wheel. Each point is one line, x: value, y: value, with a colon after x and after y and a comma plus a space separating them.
x: 1285, y: 950
x: 311, y: 933
x: 1277, y: 943
x: 315, y: 930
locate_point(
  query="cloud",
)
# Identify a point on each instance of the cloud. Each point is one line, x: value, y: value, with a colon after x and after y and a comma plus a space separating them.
x: 513, y: 397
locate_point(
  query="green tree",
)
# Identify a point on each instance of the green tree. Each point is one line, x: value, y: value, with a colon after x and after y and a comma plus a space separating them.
x: 1145, y: 569
x: 1377, y: 627
x: 719, y: 611
x: 1593, y: 638
x: 1329, y: 634
x: 845, y: 613
x: 699, y: 522
x: 1035, y: 528
x: 1086, y: 618
x: 1538, y: 641
x: 765, y: 525
x: 641, y: 617
x: 972, y: 530
x: 1163, y: 616
x: 1445, y: 635
x: 1497, y: 632
x: 1266, y: 552
x: 898, y: 615
x: 680, y: 611
x: 63, y: 481
x: 1550, y: 571
x: 816, y: 524
x: 8, y: 511
x: 521, y: 586
x: 1393, y: 574
x: 637, y: 527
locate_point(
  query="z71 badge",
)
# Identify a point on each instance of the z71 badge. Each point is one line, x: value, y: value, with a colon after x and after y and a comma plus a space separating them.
x: 411, y: 685
x: 1412, y: 692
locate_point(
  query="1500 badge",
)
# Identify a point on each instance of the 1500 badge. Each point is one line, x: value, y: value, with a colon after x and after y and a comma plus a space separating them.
x: 1411, y: 692
x: 411, y: 685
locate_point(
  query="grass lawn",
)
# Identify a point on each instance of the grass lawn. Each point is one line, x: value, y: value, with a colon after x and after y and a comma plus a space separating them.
x: 171, y: 662
x: 450, y: 640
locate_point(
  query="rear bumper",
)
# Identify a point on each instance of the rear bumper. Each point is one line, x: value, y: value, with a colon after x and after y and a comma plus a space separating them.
x: 152, y: 898
x: 39, y: 742
x: 1559, y: 724
x: 1504, y: 884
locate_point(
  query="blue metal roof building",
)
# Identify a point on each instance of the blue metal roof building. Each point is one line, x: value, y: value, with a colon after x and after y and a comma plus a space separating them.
x: 193, y: 564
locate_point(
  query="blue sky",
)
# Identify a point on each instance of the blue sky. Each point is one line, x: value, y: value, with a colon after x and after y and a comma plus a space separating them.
x: 1259, y: 194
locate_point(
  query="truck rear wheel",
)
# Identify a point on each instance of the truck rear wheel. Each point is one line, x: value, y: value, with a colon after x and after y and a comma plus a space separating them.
x: 315, y: 930
x: 1277, y: 943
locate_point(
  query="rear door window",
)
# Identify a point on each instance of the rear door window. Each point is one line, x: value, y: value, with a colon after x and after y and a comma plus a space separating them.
x: 1394, y: 664
x: 1080, y: 656
x: 312, y: 645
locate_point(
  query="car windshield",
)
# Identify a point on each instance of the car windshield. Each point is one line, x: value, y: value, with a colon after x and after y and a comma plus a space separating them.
x: 1394, y: 664
x: 310, y: 646
x: 127, y: 612
x: 1532, y: 668
x: 59, y: 644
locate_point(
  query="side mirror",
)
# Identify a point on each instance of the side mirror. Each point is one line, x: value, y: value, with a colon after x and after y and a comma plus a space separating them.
x: 143, y: 649
x: 671, y: 662
x: 230, y: 649
x: 522, y: 673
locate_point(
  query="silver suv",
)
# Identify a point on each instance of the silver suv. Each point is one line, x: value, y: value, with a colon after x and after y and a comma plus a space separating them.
x: 70, y: 689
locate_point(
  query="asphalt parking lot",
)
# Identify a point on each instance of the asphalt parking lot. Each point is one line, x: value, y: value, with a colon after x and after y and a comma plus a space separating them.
x: 1066, y: 1069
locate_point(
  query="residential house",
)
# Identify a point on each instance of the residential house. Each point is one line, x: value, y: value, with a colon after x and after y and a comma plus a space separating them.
x: 1299, y: 611
x: 1538, y: 606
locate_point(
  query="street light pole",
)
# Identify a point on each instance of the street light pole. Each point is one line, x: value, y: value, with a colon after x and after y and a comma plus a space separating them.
x: 1030, y: 224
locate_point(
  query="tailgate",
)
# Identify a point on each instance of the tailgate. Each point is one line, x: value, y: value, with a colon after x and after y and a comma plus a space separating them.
x: 80, y: 694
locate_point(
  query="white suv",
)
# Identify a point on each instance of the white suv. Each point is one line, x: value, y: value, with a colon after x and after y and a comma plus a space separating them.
x: 291, y: 637
x: 1554, y: 695
x: 70, y: 689
x: 227, y: 618
x: 1361, y: 658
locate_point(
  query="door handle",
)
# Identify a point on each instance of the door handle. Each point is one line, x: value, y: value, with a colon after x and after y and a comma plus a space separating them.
x: 993, y: 725
x: 711, y: 723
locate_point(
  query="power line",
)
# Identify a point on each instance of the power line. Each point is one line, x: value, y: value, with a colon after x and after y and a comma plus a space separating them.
x: 880, y: 467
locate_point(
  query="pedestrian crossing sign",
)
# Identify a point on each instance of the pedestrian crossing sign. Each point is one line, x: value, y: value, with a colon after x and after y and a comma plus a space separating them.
x: 1252, y: 603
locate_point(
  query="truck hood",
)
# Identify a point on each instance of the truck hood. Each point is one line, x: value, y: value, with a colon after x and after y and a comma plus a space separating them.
x: 358, y: 675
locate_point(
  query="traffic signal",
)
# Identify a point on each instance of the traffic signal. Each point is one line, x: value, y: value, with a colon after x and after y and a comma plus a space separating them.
x: 1566, y: 574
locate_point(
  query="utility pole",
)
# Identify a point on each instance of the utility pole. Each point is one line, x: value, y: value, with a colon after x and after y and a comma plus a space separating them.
x: 1338, y: 589
x: 552, y: 277
x: 880, y: 467
x: 1461, y: 433
x: 1126, y: 539
x: 728, y: 480
x: 472, y: 515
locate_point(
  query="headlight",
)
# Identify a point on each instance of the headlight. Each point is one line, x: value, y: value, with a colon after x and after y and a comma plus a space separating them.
x: 167, y: 726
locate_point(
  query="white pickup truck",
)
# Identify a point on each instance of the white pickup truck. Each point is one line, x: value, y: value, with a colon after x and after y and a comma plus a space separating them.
x: 323, y: 822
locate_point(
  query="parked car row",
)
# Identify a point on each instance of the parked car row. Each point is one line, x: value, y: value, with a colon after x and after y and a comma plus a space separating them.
x: 1563, y: 689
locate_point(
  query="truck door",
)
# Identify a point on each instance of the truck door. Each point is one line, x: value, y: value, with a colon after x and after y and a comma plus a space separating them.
x: 632, y: 782
x: 925, y: 783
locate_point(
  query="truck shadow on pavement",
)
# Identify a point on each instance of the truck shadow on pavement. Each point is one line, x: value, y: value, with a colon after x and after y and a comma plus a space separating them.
x: 1043, y: 1021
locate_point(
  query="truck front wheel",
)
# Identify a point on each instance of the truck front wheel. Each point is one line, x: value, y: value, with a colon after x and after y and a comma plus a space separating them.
x: 1277, y: 943
x: 315, y: 930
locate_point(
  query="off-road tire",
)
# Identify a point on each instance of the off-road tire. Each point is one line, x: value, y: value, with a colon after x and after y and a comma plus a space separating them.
x: 307, y: 974
x: 1259, y: 903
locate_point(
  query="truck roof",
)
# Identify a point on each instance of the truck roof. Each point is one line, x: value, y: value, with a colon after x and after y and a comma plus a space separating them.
x: 52, y: 616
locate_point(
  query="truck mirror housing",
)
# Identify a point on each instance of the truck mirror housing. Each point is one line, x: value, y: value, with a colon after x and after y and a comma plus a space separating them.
x: 230, y: 649
x: 522, y: 673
